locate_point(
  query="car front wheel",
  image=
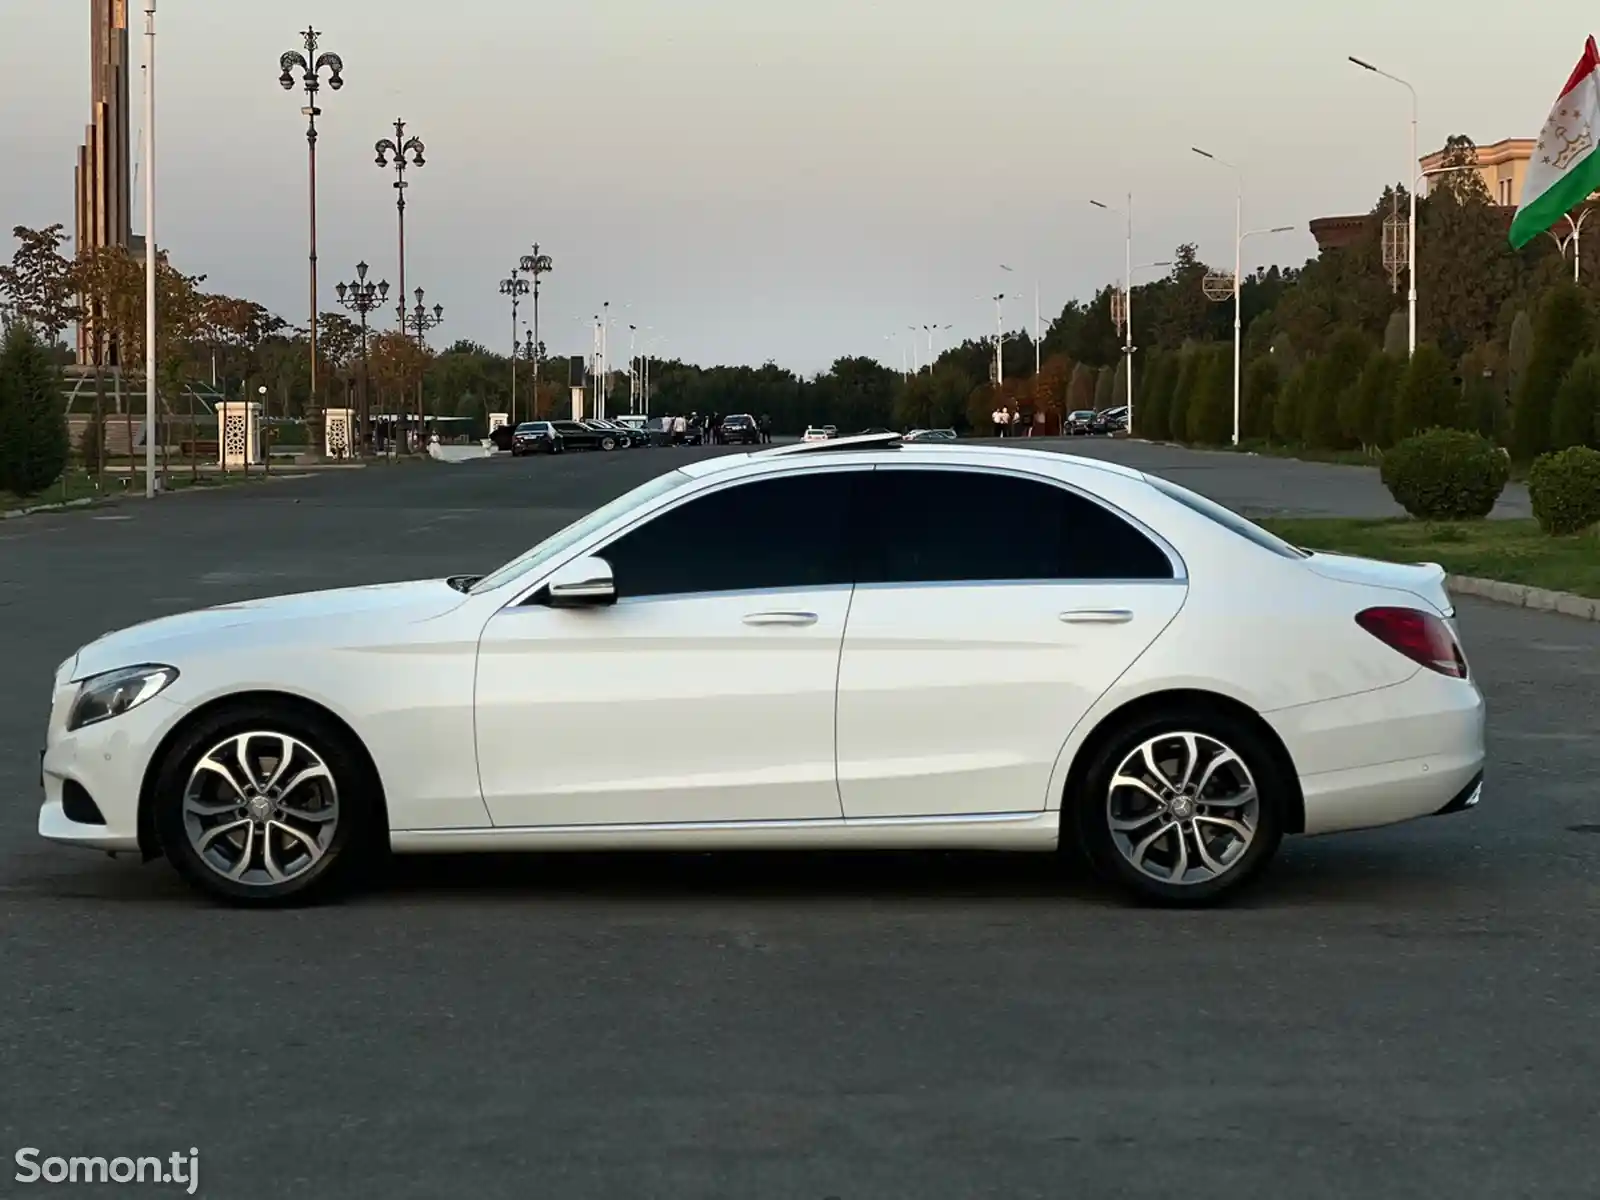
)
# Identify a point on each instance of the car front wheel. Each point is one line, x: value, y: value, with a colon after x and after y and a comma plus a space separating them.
x: 264, y: 806
x: 1182, y: 808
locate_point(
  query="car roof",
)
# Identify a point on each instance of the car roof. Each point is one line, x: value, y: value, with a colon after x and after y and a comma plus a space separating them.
x: 954, y: 454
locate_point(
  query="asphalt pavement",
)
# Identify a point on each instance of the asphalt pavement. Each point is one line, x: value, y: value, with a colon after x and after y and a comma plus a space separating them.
x: 1407, y: 1012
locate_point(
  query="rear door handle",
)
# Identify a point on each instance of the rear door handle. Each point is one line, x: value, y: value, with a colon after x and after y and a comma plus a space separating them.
x: 1097, y: 616
x: 781, y: 618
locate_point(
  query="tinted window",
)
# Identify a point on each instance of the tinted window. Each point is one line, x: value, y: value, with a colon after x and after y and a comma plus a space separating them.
x: 770, y: 533
x: 949, y: 526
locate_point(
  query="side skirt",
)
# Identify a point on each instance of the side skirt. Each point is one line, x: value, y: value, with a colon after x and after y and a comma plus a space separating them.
x: 1032, y: 831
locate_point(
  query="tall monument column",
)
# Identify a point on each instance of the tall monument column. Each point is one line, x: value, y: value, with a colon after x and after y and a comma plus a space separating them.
x: 104, y: 176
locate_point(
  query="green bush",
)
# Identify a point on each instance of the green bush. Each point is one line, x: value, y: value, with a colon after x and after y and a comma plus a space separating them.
x: 33, y: 421
x: 1577, y: 405
x: 1565, y: 490
x: 1287, y: 411
x: 1446, y: 475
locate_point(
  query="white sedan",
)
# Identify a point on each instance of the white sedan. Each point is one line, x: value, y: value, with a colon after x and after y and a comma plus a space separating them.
x: 888, y: 645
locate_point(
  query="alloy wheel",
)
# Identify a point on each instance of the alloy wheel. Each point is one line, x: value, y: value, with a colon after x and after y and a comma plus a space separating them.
x: 260, y: 808
x: 1183, y: 808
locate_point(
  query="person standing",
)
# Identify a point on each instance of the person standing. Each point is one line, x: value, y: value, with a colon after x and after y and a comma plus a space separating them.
x: 766, y: 429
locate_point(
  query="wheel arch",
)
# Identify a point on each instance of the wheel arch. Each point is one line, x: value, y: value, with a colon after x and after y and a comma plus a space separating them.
x: 1186, y: 698
x: 149, y: 839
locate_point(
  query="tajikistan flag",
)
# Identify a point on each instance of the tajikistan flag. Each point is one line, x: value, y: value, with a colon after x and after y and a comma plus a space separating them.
x: 1565, y: 170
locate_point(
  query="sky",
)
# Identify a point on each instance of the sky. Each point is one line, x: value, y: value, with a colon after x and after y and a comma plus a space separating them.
x: 791, y: 180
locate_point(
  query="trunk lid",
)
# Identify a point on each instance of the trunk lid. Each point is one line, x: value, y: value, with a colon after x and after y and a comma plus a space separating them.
x: 1425, y: 581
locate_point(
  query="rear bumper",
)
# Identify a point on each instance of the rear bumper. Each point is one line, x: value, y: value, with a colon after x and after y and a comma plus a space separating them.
x: 1412, y: 750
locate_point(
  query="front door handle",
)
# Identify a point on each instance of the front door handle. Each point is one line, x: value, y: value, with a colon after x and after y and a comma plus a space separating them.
x: 1097, y: 616
x: 781, y: 618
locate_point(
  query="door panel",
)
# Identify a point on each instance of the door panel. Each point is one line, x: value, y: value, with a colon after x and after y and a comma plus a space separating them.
x: 703, y: 708
x: 992, y: 609
x: 957, y: 699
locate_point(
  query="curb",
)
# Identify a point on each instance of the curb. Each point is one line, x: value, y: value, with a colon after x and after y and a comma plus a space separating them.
x: 1518, y: 595
x: 114, y: 498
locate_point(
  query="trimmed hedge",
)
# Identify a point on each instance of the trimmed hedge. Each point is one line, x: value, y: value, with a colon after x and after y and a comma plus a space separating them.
x: 1565, y: 490
x: 1446, y: 475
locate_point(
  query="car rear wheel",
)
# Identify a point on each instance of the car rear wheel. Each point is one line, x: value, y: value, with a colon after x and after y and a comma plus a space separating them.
x: 608, y: 443
x: 265, y: 806
x: 1182, y: 808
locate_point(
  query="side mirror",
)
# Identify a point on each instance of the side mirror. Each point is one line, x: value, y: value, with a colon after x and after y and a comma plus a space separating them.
x: 583, y: 583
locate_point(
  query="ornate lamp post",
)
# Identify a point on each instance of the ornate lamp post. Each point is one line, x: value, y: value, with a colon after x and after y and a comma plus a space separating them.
x: 404, y: 152
x: 530, y: 351
x: 536, y: 265
x: 362, y: 298
x: 311, y: 65
x: 516, y: 287
x: 418, y: 321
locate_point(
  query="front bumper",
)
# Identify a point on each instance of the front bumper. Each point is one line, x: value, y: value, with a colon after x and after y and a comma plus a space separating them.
x: 98, y: 771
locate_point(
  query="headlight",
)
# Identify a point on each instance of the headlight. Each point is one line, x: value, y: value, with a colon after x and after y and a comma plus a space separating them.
x: 101, y: 697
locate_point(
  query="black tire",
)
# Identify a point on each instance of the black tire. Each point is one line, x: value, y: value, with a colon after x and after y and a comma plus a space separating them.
x: 353, y: 847
x: 1087, y: 816
x: 608, y: 443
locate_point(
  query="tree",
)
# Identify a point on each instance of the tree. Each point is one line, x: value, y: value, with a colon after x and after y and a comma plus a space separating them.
x: 1210, y: 417
x: 1577, y: 405
x: 33, y: 422
x: 1327, y: 407
x: 1081, y: 388
x: 1427, y: 396
x: 1104, y: 385
x: 1261, y: 383
x: 1153, y: 401
x: 1119, y: 384
x: 1519, y: 351
x: 37, y: 286
x: 1375, y: 393
x: 1483, y: 405
x: 1184, y: 391
x: 1287, y: 413
x: 1561, y: 333
x: 1397, y: 335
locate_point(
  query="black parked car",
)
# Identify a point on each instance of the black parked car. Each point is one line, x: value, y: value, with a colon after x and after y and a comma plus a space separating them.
x: 535, y: 437
x: 580, y: 435
x: 503, y: 437
x: 740, y: 429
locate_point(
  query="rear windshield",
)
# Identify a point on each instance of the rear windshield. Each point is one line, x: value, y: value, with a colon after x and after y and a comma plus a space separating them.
x: 1227, y: 518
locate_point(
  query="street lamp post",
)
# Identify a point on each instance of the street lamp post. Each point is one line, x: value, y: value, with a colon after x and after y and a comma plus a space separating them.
x: 530, y: 352
x: 403, y: 151
x: 930, y: 330
x: 999, y: 339
x: 419, y: 321
x: 516, y: 287
x: 149, y: 251
x: 1573, y: 238
x: 1127, y: 296
x: 311, y: 65
x: 536, y: 265
x: 1411, y: 220
x: 363, y: 298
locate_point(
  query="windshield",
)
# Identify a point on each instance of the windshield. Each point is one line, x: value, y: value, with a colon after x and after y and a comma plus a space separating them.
x: 580, y: 529
x: 1227, y: 518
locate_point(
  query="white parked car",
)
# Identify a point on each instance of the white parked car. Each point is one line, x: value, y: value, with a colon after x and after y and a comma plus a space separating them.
x: 815, y: 433
x: 857, y: 660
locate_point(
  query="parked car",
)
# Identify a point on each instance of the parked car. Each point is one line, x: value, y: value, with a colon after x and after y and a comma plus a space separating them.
x: 577, y: 435
x: 1081, y: 422
x: 535, y: 437
x: 639, y: 428
x: 1171, y: 725
x: 931, y: 435
x: 1114, y: 420
x: 815, y: 433
x: 503, y: 437
x: 740, y: 429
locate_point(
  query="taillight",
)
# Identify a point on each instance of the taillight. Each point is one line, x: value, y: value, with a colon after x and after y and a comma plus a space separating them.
x: 1423, y: 637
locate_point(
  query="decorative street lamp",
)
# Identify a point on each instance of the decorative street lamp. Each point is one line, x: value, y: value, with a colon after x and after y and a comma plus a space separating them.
x: 404, y: 152
x: 536, y: 265
x: 311, y: 65
x: 516, y: 287
x: 530, y: 351
x: 418, y: 321
x: 362, y: 298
